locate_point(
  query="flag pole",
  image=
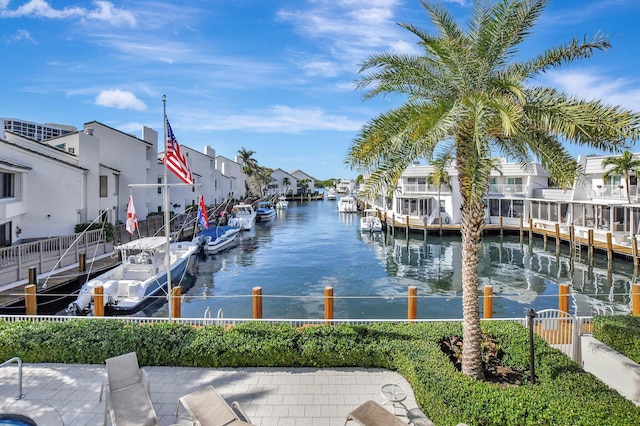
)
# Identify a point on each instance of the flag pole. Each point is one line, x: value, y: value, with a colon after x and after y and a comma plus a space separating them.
x: 165, y: 193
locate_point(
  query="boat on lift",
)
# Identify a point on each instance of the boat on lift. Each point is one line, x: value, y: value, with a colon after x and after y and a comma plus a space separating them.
x: 347, y: 204
x: 216, y: 238
x: 370, y: 222
x: 139, y: 280
x: 243, y: 217
x: 282, y: 203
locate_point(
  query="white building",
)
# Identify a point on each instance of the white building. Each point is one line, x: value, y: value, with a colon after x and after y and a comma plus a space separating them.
x: 39, y: 132
x: 282, y: 183
x: 309, y: 180
x: 235, y: 178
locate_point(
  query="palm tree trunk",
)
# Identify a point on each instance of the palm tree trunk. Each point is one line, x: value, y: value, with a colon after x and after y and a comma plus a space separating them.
x: 471, y: 228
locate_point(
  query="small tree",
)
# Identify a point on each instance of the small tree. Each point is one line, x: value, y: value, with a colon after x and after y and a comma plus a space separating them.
x: 624, y: 166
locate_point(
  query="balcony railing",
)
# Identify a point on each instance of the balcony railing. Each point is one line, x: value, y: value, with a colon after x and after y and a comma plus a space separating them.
x: 421, y: 188
x: 506, y: 188
x: 615, y: 192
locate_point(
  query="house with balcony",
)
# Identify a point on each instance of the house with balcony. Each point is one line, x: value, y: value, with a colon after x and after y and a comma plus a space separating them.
x: 282, y: 183
x: 306, y: 184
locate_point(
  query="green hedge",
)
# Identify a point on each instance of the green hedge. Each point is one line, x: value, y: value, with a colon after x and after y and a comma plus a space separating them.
x: 563, y: 394
x: 620, y: 332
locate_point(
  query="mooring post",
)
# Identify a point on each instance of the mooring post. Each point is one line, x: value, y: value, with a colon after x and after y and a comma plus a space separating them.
x: 488, y: 301
x: 635, y: 299
x: 82, y: 264
x: 31, y: 307
x: 33, y: 276
x: 98, y: 301
x: 257, y: 302
x: 328, y: 304
x: 563, y: 297
x: 176, y: 301
x: 413, y: 303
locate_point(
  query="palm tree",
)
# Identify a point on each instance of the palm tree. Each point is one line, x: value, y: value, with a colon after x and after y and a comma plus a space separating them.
x: 440, y: 176
x: 466, y: 88
x: 249, y: 165
x: 622, y: 166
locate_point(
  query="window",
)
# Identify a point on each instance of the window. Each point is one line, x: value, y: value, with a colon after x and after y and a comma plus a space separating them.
x: 103, y: 186
x: 8, y: 185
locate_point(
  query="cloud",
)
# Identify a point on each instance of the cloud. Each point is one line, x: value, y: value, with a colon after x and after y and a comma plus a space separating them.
x: 19, y: 36
x: 120, y: 99
x: 590, y: 85
x: 275, y: 119
x: 104, y: 11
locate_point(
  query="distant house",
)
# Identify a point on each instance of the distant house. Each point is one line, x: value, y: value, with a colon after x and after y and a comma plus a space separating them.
x: 309, y: 180
x: 282, y: 183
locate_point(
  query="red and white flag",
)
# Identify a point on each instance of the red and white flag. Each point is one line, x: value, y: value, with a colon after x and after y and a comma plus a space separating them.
x: 132, y: 218
x: 173, y: 158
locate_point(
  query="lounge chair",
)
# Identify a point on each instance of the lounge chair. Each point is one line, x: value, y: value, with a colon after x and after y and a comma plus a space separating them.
x: 207, y: 408
x: 127, y: 400
x: 373, y: 414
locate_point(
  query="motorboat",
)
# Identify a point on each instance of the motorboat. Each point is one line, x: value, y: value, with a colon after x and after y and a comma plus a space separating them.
x: 282, y: 203
x: 140, y: 279
x: 265, y: 211
x: 216, y: 238
x: 331, y: 194
x: 243, y: 217
x: 347, y: 204
x: 370, y: 222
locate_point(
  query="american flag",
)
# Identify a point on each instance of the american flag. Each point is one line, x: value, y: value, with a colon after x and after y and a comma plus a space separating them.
x: 174, y: 160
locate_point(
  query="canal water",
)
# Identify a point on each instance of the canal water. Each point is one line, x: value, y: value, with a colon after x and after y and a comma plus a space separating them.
x: 310, y: 246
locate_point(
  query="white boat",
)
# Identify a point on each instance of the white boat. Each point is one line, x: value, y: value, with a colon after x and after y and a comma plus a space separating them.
x: 347, y: 204
x: 243, y: 217
x: 370, y: 222
x: 282, y: 202
x: 265, y: 211
x: 331, y: 194
x: 140, y: 279
x: 216, y: 238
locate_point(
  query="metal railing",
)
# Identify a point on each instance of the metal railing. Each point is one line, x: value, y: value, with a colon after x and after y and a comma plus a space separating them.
x: 19, y: 361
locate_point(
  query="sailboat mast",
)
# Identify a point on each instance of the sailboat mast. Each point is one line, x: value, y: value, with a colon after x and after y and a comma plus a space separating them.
x: 165, y: 192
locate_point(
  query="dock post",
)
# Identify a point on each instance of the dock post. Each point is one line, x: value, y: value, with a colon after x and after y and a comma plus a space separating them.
x: 609, y: 249
x: 590, y: 245
x: 33, y: 276
x: 544, y: 239
x: 82, y: 264
x: 407, y: 227
x: 563, y: 297
x: 98, y: 301
x: 176, y: 301
x: 530, y: 229
x: 521, y: 229
x: 634, y: 251
x: 393, y: 225
x: 557, y: 236
x: 488, y: 301
x: 413, y: 303
x: 257, y: 302
x: 501, y: 226
x: 328, y: 304
x: 31, y: 307
x: 424, y: 220
x: 635, y: 299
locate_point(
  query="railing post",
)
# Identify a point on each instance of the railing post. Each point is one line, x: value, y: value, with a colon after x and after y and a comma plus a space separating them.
x: 413, y: 303
x: 98, y: 301
x: 257, y: 302
x: 563, y: 297
x: 328, y: 304
x: 31, y: 307
x: 488, y: 301
x: 635, y: 299
x: 176, y: 301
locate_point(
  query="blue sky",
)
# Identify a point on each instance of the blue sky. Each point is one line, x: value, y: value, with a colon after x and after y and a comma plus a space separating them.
x: 275, y: 77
